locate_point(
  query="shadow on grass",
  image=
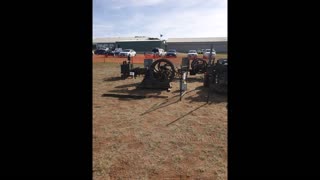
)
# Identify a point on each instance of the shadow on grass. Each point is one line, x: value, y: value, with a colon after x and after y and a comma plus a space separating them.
x: 123, y: 96
x: 194, y: 79
x: 186, y: 114
x: 113, y: 79
x: 202, y: 96
x: 131, y: 94
x: 128, y: 85
x: 167, y: 102
x: 138, y: 91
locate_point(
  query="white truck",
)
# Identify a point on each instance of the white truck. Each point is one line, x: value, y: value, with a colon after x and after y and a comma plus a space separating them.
x: 206, y: 53
x: 192, y: 54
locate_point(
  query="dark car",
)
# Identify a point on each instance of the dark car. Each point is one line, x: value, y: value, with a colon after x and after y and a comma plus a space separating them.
x: 171, y: 53
x: 117, y: 51
x: 110, y: 52
x: 100, y: 52
x: 158, y: 51
x: 222, y: 61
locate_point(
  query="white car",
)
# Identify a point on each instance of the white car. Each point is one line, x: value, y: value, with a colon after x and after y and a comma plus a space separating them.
x: 126, y: 52
x: 158, y: 51
x: 206, y: 53
x: 192, y: 54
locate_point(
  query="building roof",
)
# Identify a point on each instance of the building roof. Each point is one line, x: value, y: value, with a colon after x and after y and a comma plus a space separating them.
x: 144, y: 38
x: 137, y: 40
x: 203, y: 39
x: 115, y: 39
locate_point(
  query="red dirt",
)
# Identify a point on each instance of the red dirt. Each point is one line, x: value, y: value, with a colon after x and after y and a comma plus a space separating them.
x: 138, y: 59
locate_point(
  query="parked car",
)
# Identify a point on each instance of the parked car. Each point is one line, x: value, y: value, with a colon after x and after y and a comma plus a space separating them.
x: 192, y: 54
x: 171, y: 53
x: 206, y: 53
x: 110, y: 52
x: 126, y: 52
x: 222, y: 61
x: 199, y: 51
x: 117, y: 51
x: 158, y: 52
x: 100, y: 52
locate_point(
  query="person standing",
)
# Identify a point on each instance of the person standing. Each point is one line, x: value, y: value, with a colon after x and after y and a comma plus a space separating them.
x: 129, y: 58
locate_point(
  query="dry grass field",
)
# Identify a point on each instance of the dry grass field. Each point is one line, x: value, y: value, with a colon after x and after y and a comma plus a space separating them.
x: 156, y: 138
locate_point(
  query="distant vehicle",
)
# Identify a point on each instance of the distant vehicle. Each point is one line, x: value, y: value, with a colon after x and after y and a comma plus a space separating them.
x: 206, y: 53
x: 222, y: 61
x: 110, y: 52
x: 192, y: 54
x: 100, y: 52
x: 117, y: 51
x: 199, y: 51
x: 127, y: 52
x: 171, y: 53
x: 158, y: 51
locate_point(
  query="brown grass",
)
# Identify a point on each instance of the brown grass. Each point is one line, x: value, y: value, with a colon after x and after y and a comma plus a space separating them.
x: 156, y: 138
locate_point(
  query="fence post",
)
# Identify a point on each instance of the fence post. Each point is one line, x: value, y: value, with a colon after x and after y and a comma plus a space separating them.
x: 210, y: 75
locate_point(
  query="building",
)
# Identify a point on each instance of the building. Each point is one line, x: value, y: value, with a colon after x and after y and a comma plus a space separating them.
x: 137, y: 43
x: 102, y: 43
x: 220, y: 44
x: 141, y: 45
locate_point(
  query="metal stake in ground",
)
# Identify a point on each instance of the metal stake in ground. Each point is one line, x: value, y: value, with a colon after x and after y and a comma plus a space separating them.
x: 129, y: 59
x: 104, y: 59
x: 183, y: 76
x: 209, y: 69
x: 181, y: 84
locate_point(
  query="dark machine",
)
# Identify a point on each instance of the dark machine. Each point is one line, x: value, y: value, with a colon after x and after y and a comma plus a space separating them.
x: 126, y: 68
x: 198, y: 66
x: 158, y: 75
x: 216, y: 77
x: 142, y: 71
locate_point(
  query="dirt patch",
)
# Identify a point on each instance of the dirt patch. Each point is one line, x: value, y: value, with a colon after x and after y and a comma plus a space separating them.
x: 156, y: 138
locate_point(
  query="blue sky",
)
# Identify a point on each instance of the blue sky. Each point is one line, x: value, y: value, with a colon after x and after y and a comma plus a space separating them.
x: 172, y: 18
